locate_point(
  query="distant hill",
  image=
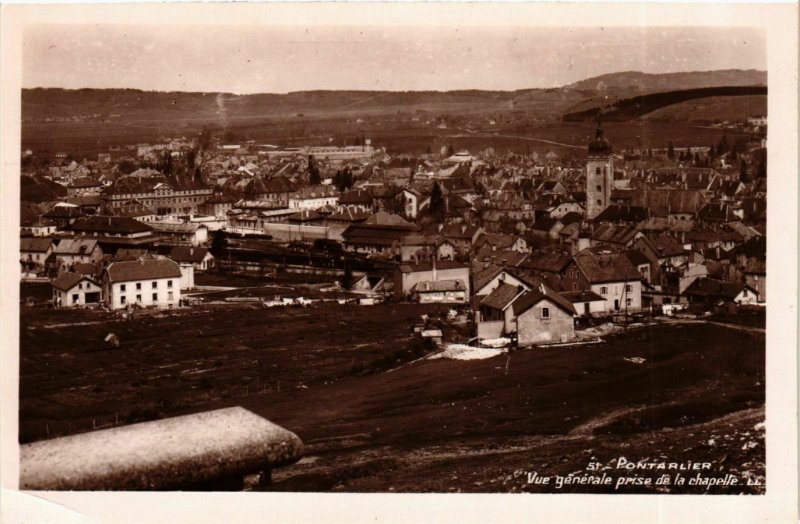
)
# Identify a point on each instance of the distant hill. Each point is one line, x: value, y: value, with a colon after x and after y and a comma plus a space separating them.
x: 629, y: 82
x: 635, y: 107
x: 715, y: 108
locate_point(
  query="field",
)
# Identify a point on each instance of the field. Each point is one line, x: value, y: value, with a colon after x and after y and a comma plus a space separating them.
x: 397, y: 134
x: 374, y: 417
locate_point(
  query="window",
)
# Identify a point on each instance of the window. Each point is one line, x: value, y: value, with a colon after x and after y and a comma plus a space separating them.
x: 169, y: 295
x: 80, y: 285
x: 545, y: 312
x: 603, y: 290
x: 628, y: 288
x: 122, y: 287
x: 629, y: 302
x: 121, y: 300
x: 574, y: 286
x: 599, y: 202
x: 75, y: 298
x: 155, y: 285
x: 138, y: 286
x: 599, y: 188
x: 138, y: 298
x: 169, y: 283
x: 597, y: 170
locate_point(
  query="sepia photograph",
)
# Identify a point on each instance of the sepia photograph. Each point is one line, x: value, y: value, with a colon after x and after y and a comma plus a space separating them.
x: 442, y: 258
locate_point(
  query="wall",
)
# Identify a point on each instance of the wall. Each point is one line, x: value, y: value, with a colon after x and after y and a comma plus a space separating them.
x: 616, y: 290
x: 533, y: 329
x: 491, y: 329
x: 114, y: 293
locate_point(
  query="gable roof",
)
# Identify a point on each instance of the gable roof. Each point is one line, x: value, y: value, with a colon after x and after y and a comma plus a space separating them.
x: 75, y: 246
x: 142, y: 270
x: 502, y: 296
x: 34, y: 245
x: 709, y: 287
x: 531, y: 298
x: 109, y: 224
x: 188, y: 254
x: 68, y: 280
x: 602, y: 265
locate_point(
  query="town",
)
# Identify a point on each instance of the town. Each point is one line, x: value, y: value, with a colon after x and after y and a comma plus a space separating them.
x: 213, y: 269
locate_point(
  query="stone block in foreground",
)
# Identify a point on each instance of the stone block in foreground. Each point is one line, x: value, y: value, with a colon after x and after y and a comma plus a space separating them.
x: 200, y: 451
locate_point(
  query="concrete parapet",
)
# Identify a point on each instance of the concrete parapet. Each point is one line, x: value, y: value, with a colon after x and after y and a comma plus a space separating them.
x: 209, y: 450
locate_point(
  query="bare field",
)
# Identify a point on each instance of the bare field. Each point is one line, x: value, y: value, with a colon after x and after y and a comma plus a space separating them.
x: 398, y: 135
x: 348, y: 380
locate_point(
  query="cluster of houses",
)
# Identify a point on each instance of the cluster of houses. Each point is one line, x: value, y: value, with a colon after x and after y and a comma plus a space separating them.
x: 527, y: 242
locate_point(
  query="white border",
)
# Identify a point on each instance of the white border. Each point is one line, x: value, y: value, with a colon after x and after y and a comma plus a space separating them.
x: 778, y: 505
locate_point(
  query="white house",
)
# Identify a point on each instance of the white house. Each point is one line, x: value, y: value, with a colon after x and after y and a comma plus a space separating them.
x: 72, y: 289
x: 144, y: 282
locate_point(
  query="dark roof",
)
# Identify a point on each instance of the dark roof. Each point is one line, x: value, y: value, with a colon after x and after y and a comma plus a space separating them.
x: 709, y: 287
x: 544, y: 223
x: 502, y: 296
x: 581, y: 296
x: 531, y: 298
x: 622, y: 213
x: 98, y: 224
x: 34, y: 245
x: 613, y: 234
x: 636, y: 257
x: 188, y: 254
x: 356, y: 197
x: 666, y: 245
x: 548, y: 262
x: 570, y: 217
x: 599, y: 266
x: 142, y: 270
x: 67, y: 281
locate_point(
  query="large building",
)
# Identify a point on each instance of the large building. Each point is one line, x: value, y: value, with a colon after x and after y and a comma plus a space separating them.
x: 599, y: 175
x: 165, y: 196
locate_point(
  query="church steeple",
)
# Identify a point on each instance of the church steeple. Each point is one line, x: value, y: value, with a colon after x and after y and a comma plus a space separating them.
x: 599, y: 173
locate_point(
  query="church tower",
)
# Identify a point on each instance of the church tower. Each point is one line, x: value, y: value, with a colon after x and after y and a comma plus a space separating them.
x: 599, y: 175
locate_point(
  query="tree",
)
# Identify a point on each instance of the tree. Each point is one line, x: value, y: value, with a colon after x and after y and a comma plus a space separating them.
x: 450, y: 150
x: 670, y: 151
x: 348, y: 280
x: 219, y: 244
x: 743, y: 171
x: 436, y: 198
x: 722, y: 146
x: 313, y: 171
x: 204, y: 139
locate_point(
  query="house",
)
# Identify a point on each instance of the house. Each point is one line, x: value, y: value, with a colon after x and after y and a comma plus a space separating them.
x: 84, y: 186
x: 439, y: 291
x: 487, y: 280
x: 755, y: 275
x: 143, y: 282
x: 585, y: 303
x: 73, y: 289
x: 380, y: 233
x: 495, y: 315
x: 70, y: 251
x: 34, y: 252
x: 199, y: 257
x: 607, y: 273
x: 408, y: 275
x: 313, y: 197
x: 709, y: 292
x: 63, y: 214
x: 408, y: 201
x: 543, y: 317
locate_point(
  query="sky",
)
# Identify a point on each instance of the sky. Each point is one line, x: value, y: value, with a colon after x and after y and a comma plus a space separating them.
x: 263, y: 59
